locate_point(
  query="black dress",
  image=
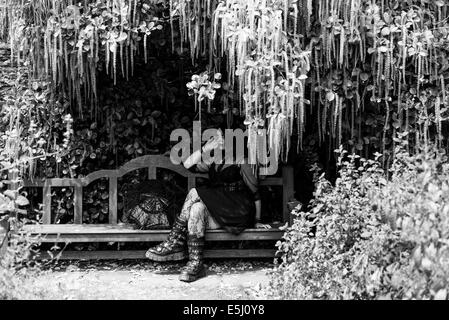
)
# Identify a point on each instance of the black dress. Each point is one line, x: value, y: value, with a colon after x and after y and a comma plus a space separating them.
x: 230, y: 195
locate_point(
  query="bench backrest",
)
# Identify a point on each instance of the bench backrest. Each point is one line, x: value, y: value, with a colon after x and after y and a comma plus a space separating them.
x: 151, y: 163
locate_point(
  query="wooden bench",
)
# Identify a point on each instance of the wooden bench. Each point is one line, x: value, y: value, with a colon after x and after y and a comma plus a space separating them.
x: 118, y: 232
x: 4, y: 230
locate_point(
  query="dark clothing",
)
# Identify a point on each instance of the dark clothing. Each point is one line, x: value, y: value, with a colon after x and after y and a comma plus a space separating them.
x: 230, y: 195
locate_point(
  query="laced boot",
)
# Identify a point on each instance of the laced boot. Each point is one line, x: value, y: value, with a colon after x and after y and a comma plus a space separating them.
x: 195, y: 268
x: 174, y: 248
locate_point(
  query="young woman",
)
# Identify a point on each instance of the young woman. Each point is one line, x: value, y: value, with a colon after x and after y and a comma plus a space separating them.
x: 231, y: 201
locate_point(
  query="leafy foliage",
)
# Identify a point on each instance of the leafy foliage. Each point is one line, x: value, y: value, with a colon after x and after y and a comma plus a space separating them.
x: 369, y: 237
x: 19, y: 270
x: 368, y: 69
x: 34, y: 126
x: 257, y: 41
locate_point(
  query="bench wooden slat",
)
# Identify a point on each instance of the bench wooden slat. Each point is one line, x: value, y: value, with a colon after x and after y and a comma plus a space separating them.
x: 152, y: 173
x: 46, y: 218
x: 78, y: 205
x: 53, y: 182
x: 125, y: 233
x: 271, y: 181
x: 106, y: 228
x: 287, y: 192
x: 72, y: 182
x: 113, y: 200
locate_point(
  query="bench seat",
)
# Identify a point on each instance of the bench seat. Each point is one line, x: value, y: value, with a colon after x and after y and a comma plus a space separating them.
x: 126, y: 233
x: 75, y: 233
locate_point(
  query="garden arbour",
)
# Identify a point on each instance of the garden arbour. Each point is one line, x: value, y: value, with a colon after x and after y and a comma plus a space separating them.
x: 352, y: 72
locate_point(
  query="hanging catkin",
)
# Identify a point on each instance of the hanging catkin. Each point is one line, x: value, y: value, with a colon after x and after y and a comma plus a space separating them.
x: 438, y: 119
x: 54, y: 49
x: 443, y: 89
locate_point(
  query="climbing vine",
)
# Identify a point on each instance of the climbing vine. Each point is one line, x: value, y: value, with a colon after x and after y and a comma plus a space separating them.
x: 391, y: 55
x: 68, y: 41
x: 341, y: 64
x: 354, y: 72
x: 257, y: 41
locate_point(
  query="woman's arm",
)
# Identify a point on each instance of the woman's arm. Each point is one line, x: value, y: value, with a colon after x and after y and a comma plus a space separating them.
x: 193, y: 159
x: 194, y: 163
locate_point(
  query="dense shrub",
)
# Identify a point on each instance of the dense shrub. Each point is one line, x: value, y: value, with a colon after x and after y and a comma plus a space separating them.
x: 371, y: 236
x: 33, y: 126
x: 19, y: 271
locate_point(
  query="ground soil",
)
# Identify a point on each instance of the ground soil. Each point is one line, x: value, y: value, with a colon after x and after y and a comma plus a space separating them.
x: 228, y: 279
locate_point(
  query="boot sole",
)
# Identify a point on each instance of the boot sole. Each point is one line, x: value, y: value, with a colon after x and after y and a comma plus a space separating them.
x: 178, y: 256
x: 190, y: 278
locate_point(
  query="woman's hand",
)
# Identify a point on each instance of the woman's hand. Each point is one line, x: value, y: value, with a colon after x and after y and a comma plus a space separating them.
x: 216, y: 142
x: 262, y: 226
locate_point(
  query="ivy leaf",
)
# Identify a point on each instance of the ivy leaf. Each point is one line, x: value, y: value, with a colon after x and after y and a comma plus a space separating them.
x: 364, y: 77
x: 441, y: 294
x: 122, y: 37
x: 330, y: 96
x: 9, y: 193
x: 22, y: 201
x: 426, y: 263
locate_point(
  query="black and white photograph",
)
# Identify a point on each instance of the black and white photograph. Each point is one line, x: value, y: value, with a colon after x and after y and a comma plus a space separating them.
x: 245, y: 152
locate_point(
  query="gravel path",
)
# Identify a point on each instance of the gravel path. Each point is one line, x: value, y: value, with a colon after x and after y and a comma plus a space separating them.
x: 147, y: 280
